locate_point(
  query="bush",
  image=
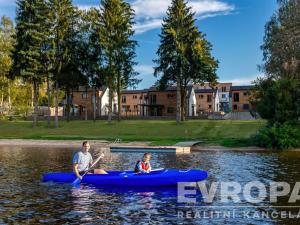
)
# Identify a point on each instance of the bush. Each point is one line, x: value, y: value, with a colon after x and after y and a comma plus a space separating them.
x: 278, y: 136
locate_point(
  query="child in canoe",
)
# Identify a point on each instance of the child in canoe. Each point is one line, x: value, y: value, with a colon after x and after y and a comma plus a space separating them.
x: 143, y: 166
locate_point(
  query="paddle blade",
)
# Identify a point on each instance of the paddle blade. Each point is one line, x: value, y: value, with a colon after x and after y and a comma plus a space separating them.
x: 76, y: 182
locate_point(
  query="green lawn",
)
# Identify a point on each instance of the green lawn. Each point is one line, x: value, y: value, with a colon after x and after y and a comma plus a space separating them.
x: 228, y: 133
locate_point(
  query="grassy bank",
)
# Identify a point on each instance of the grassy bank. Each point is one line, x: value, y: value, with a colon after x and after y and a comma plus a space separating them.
x: 226, y: 133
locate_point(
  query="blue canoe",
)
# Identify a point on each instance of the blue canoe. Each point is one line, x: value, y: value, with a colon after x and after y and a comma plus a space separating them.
x: 166, y: 177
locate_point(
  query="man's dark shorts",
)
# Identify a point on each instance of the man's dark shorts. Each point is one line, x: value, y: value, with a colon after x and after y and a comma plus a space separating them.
x: 83, y: 172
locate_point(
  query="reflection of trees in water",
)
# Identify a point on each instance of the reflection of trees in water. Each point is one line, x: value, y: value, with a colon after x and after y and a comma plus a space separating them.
x: 21, y: 190
x: 91, y: 205
x: 185, y: 161
x: 82, y: 199
x: 284, y: 167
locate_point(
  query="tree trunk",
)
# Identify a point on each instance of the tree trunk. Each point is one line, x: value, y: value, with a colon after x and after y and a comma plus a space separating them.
x: 214, y: 96
x: 94, y: 104
x: 119, y: 103
x: 2, y: 98
x: 9, y: 95
x: 86, y: 113
x: 73, y: 109
x: 99, y: 102
x: 49, y: 103
x: 183, y: 104
x: 110, y: 100
x: 56, y: 104
x: 32, y: 97
x: 178, y: 104
x: 68, y: 105
x: 36, y: 102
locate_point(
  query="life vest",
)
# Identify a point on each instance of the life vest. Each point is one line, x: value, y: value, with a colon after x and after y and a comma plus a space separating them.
x: 145, y: 166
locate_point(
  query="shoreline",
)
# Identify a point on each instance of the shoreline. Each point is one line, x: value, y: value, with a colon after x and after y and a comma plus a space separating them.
x: 62, y: 143
x: 107, y: 144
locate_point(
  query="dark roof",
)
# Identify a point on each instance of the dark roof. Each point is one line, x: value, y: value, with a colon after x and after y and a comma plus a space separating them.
x: 88, y: 89
x: 241, y: 88
x: 134, y: 91
x: 170, y: 88
x: 204, y: 91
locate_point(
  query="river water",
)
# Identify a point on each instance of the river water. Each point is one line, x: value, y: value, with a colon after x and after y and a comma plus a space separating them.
x: 24, y: 199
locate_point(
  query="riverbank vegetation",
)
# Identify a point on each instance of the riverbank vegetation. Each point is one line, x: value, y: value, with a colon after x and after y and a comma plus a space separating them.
x: 278, y: 93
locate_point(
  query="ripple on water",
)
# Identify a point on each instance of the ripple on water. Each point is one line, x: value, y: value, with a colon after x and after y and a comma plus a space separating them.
x: 24, y: 199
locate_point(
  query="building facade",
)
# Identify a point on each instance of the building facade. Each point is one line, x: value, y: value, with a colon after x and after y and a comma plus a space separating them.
x: 132, y: 101
x: 160, y: 102
x: 82, y: 101
x: 224, y: 96
x: 152, y: 102
x: 207, y: 101
x: 240, y: 99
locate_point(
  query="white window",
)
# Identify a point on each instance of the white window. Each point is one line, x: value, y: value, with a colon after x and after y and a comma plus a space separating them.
x: 84, y: 95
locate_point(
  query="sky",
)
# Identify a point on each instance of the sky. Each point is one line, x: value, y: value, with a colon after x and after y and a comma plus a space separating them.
x: 235, y: 28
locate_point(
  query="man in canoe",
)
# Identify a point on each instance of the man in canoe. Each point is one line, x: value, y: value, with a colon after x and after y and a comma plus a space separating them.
x: 143, y: 166
x: 82, y: 161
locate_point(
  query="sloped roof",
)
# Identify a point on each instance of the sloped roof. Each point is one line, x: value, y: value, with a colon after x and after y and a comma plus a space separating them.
x: 172, y: 88
x: 205, y: 91
x: 169, y: 88
x: 134, y: 91
x: 242, y: 88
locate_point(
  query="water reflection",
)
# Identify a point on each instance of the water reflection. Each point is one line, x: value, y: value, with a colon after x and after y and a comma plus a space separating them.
x: 24, y: 199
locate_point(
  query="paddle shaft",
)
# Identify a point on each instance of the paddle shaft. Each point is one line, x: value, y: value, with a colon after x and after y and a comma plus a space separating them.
x: 94, y: 163
x: 157, y: 169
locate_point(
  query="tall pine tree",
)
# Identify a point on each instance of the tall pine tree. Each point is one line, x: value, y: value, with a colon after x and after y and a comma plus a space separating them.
x: 71, y: 75
x: 47, y: 53
x: 91, y: 52
x: 6, y: 46
x: 27, y: 54
x: 116, y: 31
x: 184, y: 54
x: 126, y: 75
x: 61, y: 24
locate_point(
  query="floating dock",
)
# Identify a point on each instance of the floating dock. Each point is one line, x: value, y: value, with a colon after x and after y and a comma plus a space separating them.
x: 189, y: 143
x: 143, y: 149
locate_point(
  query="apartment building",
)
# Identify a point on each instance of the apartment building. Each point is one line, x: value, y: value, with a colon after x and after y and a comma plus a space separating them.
x: 82, y: 100
x: 240, y: 98
x: 132, y: 101
x: 160, y: 102
x: 224, y: 96
x: 207, y: 100
x: 153, y: 102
